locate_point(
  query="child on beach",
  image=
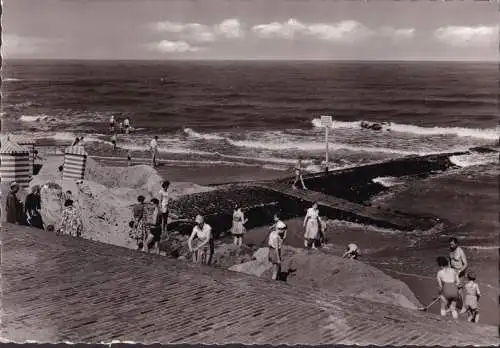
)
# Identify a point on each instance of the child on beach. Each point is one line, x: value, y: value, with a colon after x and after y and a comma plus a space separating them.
x: 448, y: 283
x: 352, y: 252
x: 275, y: 244
x: 238, y: 229
x: 472, y: 295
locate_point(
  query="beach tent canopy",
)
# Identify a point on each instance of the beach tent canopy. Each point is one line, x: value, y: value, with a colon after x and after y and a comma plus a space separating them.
x: 75, y: 161
x: 15, y: 164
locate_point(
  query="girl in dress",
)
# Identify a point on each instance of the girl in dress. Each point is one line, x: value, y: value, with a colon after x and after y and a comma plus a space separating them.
x: 203, y: 234
x: 312, y: 225
x: 140, y: 227
x: 238, y: 229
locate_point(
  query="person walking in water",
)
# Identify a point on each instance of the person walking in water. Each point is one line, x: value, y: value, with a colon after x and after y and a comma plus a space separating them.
x: 238, y: 229
x: 471, y: 300
x: 203, y: 233
x: 448, y: 283
x: 275, y: 244
x: 298, y: 175
x: 458, y: 261
x: 164, y: 206
x: 312, y: 225
x: 154, y: 150
x: 112, y: 123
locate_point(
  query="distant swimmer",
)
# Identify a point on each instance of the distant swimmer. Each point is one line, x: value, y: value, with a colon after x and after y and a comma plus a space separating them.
x: 154, y: 150
x: 448, y: 283
x: 126, y: 125
x: 112, y: 124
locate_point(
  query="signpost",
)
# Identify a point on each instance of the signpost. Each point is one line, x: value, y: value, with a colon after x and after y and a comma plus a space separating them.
x: 327, y: 122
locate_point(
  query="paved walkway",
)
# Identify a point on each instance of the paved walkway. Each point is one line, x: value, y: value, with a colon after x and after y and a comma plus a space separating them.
x: 60, y: 288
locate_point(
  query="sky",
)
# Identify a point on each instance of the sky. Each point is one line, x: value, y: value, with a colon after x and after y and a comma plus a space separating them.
x: 251, y: 29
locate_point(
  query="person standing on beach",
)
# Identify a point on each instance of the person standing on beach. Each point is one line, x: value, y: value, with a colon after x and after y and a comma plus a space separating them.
x: 312, y: 225
x: 140, y: 228
x: 126, y: 125
x: 113, y: 141
x: 298, y: 175
x: 32, y: 207
x: 154, y: 150
x: 472, y: 295
x: 203, y: 234
x: 458, y: 262
x: 71, y: 224
x: 275, y: 244
x: 112, y: 122
x: 154, y: 228
x: 13, y: 206
x: 238, y: 229
x: 448, y: 283
x: 164, y: 206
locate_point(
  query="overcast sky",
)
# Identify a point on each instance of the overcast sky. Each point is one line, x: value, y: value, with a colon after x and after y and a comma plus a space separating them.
x: 250, y: 29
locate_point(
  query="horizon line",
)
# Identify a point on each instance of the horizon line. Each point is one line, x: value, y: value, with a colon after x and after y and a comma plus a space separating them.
x: 258, y: 59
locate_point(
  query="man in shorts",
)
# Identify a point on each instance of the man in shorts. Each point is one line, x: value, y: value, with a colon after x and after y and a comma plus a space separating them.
x: 458, y: 261
x: 154, y: 150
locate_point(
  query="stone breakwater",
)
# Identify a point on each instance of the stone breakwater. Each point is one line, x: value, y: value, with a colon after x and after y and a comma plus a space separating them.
x: 342, y: 194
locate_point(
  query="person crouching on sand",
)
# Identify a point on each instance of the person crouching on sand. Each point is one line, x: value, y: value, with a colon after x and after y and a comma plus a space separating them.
x: 448, y: 283
x: 471, y: 298
x: 352, y: 252
x: 238, y: 229
x: 298, y: 175
x: 312, y: 225
x: 154, y: 150
x: 275, y: 244
x: 203, y: 233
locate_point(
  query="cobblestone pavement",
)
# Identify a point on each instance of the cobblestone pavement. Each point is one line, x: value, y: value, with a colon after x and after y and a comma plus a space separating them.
x: 65, y: 289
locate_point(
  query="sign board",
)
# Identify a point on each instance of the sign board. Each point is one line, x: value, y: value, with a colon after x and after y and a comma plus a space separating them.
x: 326, y: 121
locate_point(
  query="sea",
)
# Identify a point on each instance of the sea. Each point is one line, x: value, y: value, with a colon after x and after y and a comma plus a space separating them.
x: 268, y: 114
x: 258, y: 112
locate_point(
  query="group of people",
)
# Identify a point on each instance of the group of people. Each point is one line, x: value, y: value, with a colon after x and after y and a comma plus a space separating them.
x: 29, y: 213
x: 457, y: 284
x: 123, y: 127
x: 149, y: 221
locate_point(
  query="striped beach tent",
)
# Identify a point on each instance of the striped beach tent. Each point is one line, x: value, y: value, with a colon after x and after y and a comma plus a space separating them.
x: 15, y: 163
x: 24, y: 142
x: 75, y: 160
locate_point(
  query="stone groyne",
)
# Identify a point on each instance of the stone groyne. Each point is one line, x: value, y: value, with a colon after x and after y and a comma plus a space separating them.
x: 341, y: 194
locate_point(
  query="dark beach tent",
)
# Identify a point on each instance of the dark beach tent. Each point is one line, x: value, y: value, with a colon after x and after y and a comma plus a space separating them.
x: 75, y: 161
x: 15, y: 163
x: 26, y: 142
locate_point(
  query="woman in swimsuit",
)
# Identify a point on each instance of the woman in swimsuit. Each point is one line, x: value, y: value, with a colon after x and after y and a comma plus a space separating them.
x: 458, y: 262
x: 448, y: 283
